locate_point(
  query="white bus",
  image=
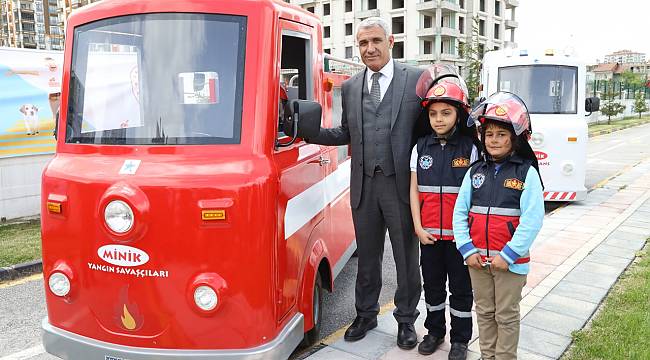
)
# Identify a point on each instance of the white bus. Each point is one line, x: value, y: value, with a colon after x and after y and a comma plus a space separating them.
x: 553, y: 88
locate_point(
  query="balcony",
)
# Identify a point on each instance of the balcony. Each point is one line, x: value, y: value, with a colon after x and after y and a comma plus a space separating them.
x: 364, y: 14
x: 511, y: 3
x: 427, y: 6
x: 449, y: 6
x: 303, y: 2
x: 434, y: 31
x: 511, y: 24
x: 436, y: 57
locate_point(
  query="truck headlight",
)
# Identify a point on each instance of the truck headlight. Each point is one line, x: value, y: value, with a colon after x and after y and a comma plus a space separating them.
x: 205, y: 298
x: 118, y: 216
x: 537, y: 139
x: 59, y: 284
x: 567, y: 168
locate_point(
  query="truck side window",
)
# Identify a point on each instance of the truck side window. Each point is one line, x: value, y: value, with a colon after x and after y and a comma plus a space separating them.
x: 295, y: 72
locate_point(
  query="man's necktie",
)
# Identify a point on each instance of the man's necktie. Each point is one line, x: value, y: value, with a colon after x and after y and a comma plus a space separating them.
x: 375, y: 91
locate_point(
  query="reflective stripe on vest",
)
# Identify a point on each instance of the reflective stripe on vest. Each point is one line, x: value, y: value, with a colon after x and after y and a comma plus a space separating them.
x: 495, y: 211
x: 439, y: 189
x: 484, y: 254
x: 434, y: 231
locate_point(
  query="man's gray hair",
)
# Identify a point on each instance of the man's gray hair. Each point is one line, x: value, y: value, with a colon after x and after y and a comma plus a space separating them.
x: 372, y: 22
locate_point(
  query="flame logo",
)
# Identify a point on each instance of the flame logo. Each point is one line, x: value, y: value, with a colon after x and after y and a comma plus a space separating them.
x: 127, y: 320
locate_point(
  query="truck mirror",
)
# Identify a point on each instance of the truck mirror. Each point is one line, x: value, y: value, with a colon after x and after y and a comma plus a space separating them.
x: 592, y: 104
x: 304, y: 121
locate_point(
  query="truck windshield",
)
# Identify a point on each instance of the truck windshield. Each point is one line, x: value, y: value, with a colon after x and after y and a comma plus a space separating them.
x: 546, y: 89
x: 157, y: 79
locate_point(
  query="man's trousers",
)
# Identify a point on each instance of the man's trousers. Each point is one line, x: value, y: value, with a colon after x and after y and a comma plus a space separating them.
x: 380, y: 209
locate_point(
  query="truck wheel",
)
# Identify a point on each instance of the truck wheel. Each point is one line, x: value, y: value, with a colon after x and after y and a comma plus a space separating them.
x: 311, y: 336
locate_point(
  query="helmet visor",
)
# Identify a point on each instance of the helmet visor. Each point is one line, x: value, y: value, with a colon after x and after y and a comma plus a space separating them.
x: 433, y: 75
x: 505, y: 107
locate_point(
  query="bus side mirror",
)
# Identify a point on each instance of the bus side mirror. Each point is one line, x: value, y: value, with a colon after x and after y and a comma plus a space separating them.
x: 592, y: 104
x: 304, y: 121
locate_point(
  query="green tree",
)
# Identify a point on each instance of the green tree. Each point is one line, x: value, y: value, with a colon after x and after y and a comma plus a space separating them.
x: 472, y: 52
x: 610, y: 106
x: 640, y: 105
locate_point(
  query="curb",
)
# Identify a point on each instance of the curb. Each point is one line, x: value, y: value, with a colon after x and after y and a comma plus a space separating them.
x: 21, y: 270
x: 622, y: 127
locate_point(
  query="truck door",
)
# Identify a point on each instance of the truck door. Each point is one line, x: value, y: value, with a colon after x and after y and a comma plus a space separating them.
x: 301, y: 166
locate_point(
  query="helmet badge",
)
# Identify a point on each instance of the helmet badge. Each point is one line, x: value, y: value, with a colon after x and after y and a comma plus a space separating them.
x: 500, y: 110
x: 439, y: 90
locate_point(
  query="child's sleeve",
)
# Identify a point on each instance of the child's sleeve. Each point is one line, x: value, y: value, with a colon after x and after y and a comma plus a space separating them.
x: 460, y: 219
x: 414, y: 158
x: 530, y: 221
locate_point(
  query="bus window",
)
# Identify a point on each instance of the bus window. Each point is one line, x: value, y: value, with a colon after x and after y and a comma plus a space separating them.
x: 546, y: 89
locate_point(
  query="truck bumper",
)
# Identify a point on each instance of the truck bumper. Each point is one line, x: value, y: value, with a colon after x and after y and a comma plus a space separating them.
x: 67, y: 345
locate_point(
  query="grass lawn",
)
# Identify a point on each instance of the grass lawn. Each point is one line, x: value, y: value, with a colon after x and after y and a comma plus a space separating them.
x: 618, y: 123
x: 20, y: 242
x: 621, y: 330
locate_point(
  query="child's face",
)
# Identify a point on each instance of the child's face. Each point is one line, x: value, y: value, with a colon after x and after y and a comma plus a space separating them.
x: 498, y: 142
x: 442, y: 117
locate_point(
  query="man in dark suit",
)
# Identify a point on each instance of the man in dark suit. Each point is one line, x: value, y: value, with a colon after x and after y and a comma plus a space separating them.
x: 380, y: 109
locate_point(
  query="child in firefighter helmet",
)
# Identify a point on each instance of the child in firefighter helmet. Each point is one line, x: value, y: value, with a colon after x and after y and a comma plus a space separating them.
x: 439, y: 161
x: 498, y: 213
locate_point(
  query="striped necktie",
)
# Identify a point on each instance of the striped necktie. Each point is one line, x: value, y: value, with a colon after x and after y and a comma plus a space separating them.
x: 375, y: 91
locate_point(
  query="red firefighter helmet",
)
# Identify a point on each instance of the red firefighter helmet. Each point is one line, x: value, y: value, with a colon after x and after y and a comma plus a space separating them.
x: 505, y: 107
x: 441, y: 82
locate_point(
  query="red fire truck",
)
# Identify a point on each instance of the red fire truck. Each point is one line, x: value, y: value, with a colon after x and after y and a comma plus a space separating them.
x: 179, y: 221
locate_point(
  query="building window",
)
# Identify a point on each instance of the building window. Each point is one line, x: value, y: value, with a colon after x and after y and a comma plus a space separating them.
x: 481, y: 5
x: 326, y: 32
x: 327, y: 51
x: 461, y: 24
x: 398, y: 50
x: 348, y: 5
x: 461, y: 3
x: 427, y: 47
x: 428, y: 22
x: 481, y: 49
x: 497, y: 8
x: 496, y: 31
x: 326, y: 9
x: 496, y: 48
x: 348, y: 29
x: 310, y: 9
x: 372, y: 4
x: 461, y: 49
x: 398, y: 25
x: 398, y: 4
x: 348, y: 52
x: 481, y: 27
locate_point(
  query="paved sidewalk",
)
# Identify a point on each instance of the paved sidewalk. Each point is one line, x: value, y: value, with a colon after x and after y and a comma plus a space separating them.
x: 579, y: 254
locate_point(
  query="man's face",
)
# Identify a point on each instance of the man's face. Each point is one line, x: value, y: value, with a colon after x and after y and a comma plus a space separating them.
x: 374, y: 47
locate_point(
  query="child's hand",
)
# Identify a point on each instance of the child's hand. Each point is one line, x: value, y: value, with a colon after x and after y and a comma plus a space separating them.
x: 498, y: 263
x: 425, y: 237
x: 475, y: 261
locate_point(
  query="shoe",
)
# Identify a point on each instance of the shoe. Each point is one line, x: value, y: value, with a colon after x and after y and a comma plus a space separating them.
x: 429, y: 344
x: 360, y: 326
x: 407, y: 338
x: 458, y: 351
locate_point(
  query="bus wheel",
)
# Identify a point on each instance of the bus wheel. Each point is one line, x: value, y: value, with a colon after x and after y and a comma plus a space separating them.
x: 311, y: 336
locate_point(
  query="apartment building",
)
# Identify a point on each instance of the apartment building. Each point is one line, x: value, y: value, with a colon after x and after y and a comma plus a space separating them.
x: 425, y: 31
x: 25, y: 23
x: 625, y: 57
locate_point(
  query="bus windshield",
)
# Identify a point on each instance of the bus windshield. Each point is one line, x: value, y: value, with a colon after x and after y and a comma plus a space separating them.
x: 546, y: 89
x: 157, y: 79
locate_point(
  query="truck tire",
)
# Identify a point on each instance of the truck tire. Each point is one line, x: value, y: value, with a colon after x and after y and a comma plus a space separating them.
x: 311, y: 336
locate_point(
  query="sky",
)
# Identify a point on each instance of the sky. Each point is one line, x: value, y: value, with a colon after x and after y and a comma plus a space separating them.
x: 593, y: 28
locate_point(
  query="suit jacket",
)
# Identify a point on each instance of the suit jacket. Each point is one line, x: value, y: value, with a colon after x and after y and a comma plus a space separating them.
x: 406, y: 111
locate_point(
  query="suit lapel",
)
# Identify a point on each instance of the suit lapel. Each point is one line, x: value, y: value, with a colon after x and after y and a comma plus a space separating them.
x: 358, y: 100
x: 399, y: 83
